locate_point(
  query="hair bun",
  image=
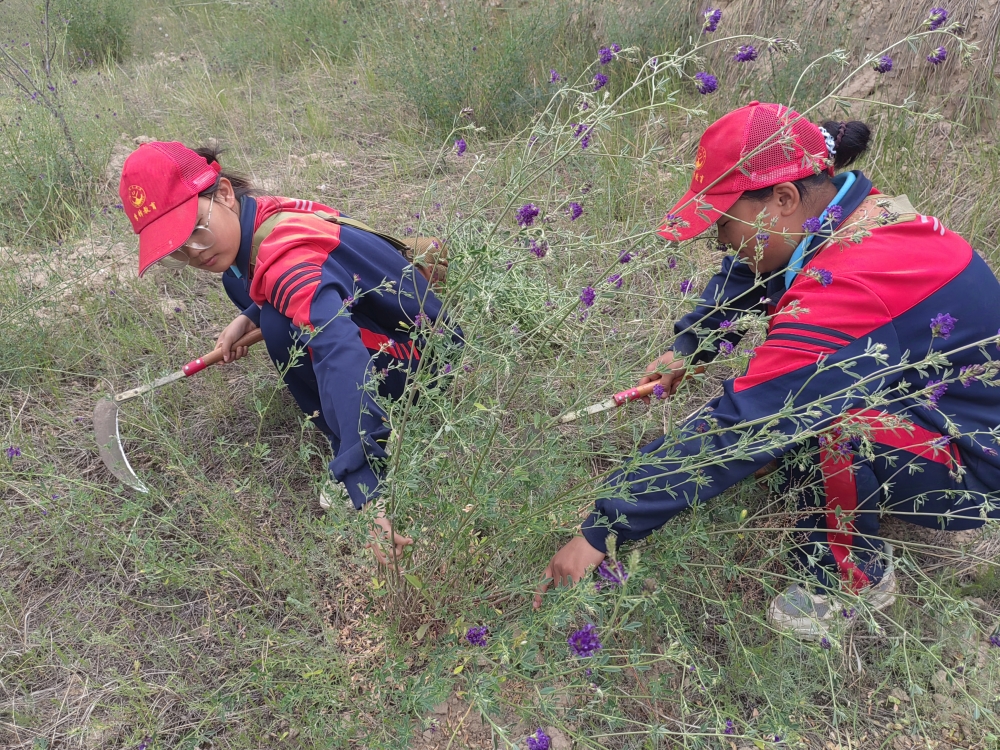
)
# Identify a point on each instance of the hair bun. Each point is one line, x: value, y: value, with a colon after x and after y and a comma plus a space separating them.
x: 851, y: 139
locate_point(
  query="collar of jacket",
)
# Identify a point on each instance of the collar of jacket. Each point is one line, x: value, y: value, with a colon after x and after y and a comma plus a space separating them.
x: 248, y: 217
x: 860, y: 190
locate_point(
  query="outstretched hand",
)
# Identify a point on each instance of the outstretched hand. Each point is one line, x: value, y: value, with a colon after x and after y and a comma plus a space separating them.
x: 381, y: 534
x: 568, y: 566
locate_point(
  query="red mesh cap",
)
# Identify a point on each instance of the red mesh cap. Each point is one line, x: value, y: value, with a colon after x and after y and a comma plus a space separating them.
x: 159, y: 191
x: 753, y: 147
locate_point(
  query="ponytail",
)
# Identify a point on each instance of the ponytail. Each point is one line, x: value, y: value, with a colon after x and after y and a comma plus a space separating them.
x: 850, y: 141
x: 241, y: 183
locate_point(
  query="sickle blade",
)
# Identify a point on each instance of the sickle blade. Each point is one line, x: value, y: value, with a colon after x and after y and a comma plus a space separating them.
x: 110, y: 444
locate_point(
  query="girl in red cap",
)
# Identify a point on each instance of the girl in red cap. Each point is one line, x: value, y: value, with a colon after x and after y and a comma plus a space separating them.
x: 342, y: 312
x: 856, y: 287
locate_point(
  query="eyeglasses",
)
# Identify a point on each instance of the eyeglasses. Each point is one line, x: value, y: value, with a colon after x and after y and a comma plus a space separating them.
x: 201, y: 238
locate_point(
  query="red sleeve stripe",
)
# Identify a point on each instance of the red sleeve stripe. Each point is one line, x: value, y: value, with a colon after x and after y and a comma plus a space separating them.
x: 310, y: 279
x: 806, y: 340
x: 288, y: 279
x: 821, y: 330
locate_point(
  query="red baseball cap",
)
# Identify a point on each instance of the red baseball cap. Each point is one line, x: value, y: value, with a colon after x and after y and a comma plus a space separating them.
x: 159, y: 191
x: 730, y: 160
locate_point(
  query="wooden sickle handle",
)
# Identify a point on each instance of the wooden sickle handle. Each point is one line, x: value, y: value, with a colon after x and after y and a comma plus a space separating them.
x: 641, y: 391
x: 215, y: 356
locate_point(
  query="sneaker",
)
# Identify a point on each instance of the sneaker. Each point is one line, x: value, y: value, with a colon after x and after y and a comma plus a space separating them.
x: 808, y: 616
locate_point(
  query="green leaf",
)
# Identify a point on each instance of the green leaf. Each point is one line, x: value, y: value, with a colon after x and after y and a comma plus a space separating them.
x: 414, y: 581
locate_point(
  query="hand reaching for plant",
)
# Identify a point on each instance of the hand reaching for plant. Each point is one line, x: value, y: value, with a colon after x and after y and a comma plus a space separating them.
x: 668, y: 368
x: 569, y: 565
x: 380, y: 533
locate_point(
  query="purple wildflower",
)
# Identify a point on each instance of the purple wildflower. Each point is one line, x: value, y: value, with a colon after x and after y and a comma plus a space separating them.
x: 585, y: 141
x: 554, y: 76
x: 995, y: 640
x: 726, y: 325
x: 847, y: 614
x: 726, y: 347
x: 936, y: 18
x: 538, y: 741
x: 616, y: 279
x: 600, y: 81
x: 762, y: 238
x: 575, y: 211
x: 614, y: 574
x: 447, y: 368
x: 883, y: 64
x: 408, y: 230
x: 539, y: 248
x: 834, y: 214
x: 824, y: 277
x: 460, y: 146
x: 526, y: 214
x: 587, y: 296
x: 938, y: 389
x: 824, y: 643
x: 584, y: 642
x: 970, y: 374
x: 605, y: 55
x: 421, y: 320
x: 477, y: 636
x: 746, y: 53
x: 13, y: 452
x: 938, y: 56
x: 712, y: 18
x: 707, y: 83
x: 672, y: 264
x: 145, y: 743
x: 942, y: 325
x: 811, y: 225
x: 989, y: 451
x: 659, y: 391
x: 616, y: 48
x: 687, y: 285
x: 730, y: 724
x: 625, y: 257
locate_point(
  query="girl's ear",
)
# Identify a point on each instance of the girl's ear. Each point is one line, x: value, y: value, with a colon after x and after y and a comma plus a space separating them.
x: 787, y: 198
x: 225, y: 194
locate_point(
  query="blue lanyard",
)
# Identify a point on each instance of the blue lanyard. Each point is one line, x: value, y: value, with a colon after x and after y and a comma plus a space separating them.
x: 795, y: 264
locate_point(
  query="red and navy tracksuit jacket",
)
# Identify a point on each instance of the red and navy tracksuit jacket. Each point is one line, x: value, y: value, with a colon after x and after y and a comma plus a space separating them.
x: 307, y: 271
x: 885, y: 289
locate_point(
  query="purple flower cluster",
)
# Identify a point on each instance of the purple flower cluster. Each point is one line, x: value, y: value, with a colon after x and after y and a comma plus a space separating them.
x: 554, y: 76
x: 938, y: 56
x: 605, y: 55
x: 942, y: 325
x: 421, y: 320
x: 144, y: 744
x: 538, y: 741
x: 616, y: 279
x: 575, y: 211
x: 938, y: 389
x: 883, y: 64
x: 659, y: 391
x: 526, y: 214
x: 460, y: 146
x: 726, y: 348
x: 824, y: 643
x: 707, y: 83
x: 584, y: 642
x: 587, y: 296
x: 834, y: 214
x: 687, y: 285
x: 746, y: 53
x: 725, y: 325
x: 824, y: 277
x: 477, y: 636
x: 995, y: 640
x: 712, y: 17
x: 936, y: 19
x: 625, y: 257
x: 13, y: 452
x: 600, y: 81
x: 812, y: 225
x: 970, y: 374
x: 539, y: 248
x: 730, y: 727
x: 612, y: 575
